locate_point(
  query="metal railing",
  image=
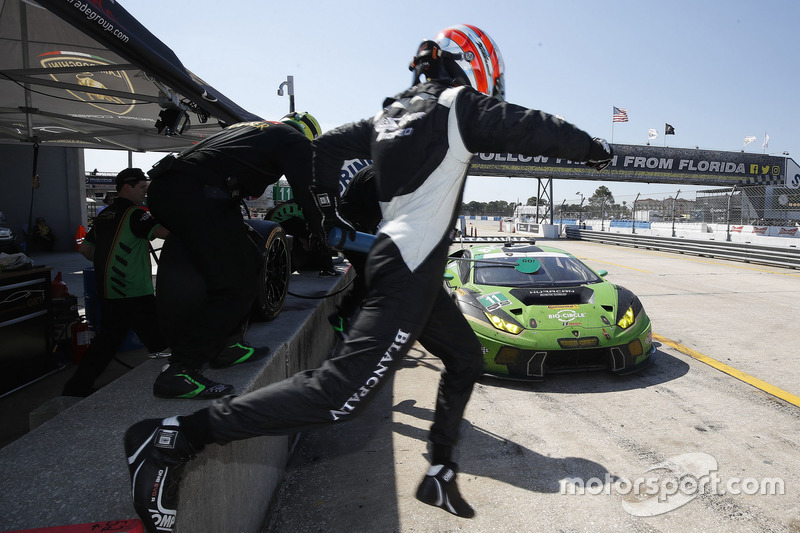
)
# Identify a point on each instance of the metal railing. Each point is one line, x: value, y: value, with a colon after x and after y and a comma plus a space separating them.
x: 786, y: 257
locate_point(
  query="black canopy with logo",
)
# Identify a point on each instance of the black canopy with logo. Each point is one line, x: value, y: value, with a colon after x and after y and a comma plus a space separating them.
x: 87, y: 74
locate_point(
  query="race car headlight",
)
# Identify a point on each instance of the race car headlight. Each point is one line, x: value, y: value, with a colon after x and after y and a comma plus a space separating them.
x: 631, y: 305
x: 627, y: 319
x: 504, y: 325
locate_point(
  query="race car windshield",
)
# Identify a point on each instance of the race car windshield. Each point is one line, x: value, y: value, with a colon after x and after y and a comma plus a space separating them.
x: 554, y: 270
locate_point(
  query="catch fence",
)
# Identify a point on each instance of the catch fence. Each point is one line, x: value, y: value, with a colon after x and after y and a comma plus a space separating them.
x: 752, y: 205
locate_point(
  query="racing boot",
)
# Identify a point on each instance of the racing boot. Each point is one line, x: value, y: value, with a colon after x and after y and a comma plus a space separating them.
x: 438, y: 488
x: 238, y: 353
x: 157, y: 452
x: 180, y: 381
x: 339, y: 324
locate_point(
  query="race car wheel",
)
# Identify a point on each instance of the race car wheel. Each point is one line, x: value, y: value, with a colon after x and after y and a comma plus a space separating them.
x: 274, y: 269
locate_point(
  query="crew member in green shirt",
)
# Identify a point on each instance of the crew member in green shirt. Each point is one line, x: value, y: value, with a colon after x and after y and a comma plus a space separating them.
x: 118, y: 244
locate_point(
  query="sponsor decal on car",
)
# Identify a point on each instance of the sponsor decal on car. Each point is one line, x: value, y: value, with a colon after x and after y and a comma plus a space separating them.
x: 494, y: 301
x: 566, y: 315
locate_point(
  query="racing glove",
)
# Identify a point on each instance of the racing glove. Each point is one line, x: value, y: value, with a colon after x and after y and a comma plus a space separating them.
x: 600, y: 154
x: 328, y: 206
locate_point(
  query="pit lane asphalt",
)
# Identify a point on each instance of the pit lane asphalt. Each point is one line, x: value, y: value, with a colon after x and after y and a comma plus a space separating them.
x: 677, y: 420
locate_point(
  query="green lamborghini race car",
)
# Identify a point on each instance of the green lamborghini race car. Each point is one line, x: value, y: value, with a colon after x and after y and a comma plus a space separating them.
x: 539, y: 310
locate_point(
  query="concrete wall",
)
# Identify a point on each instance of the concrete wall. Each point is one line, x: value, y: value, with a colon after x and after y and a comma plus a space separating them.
x: 72, y: 469
x: 59, y: 198
x: 763, y: 235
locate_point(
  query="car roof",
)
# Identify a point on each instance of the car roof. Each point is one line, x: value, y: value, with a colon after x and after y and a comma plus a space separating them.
x: 511, y: 255
x: 517, y: 250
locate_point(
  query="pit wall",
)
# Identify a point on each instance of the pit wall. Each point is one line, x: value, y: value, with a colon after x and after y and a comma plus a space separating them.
x: 72, y: 468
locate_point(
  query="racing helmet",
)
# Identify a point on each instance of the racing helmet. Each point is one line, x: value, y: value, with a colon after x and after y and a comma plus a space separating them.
x: 303, y: 122
x: 467, y: 56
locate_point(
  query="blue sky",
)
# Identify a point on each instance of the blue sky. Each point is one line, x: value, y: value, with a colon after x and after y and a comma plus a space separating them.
x: 716, y: 71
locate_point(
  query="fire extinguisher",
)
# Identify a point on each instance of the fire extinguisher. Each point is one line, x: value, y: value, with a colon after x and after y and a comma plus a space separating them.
x: 80, y: 339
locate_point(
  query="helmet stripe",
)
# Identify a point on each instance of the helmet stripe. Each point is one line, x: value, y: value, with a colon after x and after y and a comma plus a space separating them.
x: 304, y: 122
x: 462, y: 38
x: 310, y: 123
x: 493, y: 51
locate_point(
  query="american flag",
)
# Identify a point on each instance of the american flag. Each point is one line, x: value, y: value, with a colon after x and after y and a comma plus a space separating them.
x: 620, y: 115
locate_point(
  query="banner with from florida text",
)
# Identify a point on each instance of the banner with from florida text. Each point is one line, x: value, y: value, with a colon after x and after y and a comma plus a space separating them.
x: 651, y: 164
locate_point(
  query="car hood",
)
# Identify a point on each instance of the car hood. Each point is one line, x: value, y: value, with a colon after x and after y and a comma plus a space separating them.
x: 553, y: 309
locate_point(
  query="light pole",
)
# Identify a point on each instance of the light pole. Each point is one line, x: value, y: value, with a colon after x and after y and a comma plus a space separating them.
x: 580, y: 210
x: 603, y: 213
x: 728, y: 215
x: 673, y: 211
x: 633, y: 216
x: 289, y: 84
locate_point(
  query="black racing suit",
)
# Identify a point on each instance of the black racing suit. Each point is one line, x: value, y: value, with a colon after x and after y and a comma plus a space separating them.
x: 196, y: 197
x: 358, y: 205
x: 421, y: 144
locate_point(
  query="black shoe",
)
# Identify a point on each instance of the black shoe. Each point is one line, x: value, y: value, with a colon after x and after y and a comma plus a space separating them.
x: 177, y: 381
x: 328, y: 273
x: 238, y: 353
x: 438, y: 488
x: 339, y: 325
x: 157, y: 452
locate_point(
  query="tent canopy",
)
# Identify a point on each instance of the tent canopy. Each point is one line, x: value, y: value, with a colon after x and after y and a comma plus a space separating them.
x: 87, y: 74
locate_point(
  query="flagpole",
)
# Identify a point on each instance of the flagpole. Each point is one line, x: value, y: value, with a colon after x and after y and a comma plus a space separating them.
x: 612, y: 124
